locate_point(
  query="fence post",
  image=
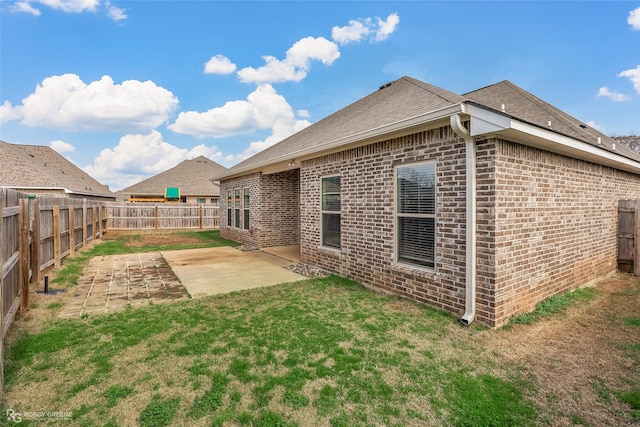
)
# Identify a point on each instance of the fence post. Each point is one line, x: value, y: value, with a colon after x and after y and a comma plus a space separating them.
x: 72, y: 229
x: 56, y: 236
x: 2, y: 201
x: 98, y: 210
x: 35, y: 242
x: 23, y: 245
x: 84, y: 222
x: 157, y: 221
x: 636, y: 242
x: 201, y: 217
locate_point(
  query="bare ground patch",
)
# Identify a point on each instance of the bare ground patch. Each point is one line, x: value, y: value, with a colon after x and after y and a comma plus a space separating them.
x: 577, y: 359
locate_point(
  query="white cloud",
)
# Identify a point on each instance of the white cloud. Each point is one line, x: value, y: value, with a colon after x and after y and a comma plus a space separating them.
x: 613, y: 96
x: 263, y: 109
x: 115, y: 13
x: 296, y: 64
x: 62, y: 147
x: 634, y: 18
x: 66, y: 102
x: 280, y: 130
x: 595, y: 126
x: 139, y: 156
x: 356, y: 31
x: 386, y: 28
x: 361, y: 29
x: 24, y: 6
x: 9, y: 113
x: 633, y: 74
x: 219, y: 64
x: 71, y: 6
x: 303, y: 113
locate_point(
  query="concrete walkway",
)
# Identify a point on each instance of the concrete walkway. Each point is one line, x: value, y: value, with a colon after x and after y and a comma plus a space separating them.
x: 112, y: 283
x: 213, y: 271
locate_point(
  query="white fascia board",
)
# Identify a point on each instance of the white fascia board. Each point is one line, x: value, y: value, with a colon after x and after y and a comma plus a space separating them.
x: 25, y: 187
x: 401, y: 127
x: 489, y: 123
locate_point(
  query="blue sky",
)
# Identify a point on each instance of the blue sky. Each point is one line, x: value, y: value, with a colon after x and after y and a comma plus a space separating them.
x: 128, y: 89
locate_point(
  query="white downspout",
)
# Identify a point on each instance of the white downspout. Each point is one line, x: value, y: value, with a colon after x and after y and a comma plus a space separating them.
x: 470, y: 282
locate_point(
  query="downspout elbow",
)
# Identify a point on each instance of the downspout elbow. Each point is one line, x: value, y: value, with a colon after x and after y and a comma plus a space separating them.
x: 470, y: 274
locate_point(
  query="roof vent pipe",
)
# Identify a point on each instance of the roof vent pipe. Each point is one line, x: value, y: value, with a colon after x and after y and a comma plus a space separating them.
x: 613, y: 146
x: 470, y: 278
x: 502, y: 107
x: 599, y: 140
x: 549, y: 123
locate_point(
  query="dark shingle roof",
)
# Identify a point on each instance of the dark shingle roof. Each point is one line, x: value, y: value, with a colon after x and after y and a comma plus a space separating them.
x: 42, y: 167
x: 407, y: 98
x: 193, y: 177
x: 401, y: 99
x: 526, y: 107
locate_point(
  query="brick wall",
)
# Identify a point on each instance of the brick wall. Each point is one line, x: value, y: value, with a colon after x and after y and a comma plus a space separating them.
x: 249, y: 237
x: 367, y: 185
x: 273, y: 209
x: 555, y: 224
x: 545, y: 223
x: 279, y: 219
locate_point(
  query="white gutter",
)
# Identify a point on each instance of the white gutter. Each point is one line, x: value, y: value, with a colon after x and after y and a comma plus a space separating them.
x: 470, y: 280
x: 486, y: 123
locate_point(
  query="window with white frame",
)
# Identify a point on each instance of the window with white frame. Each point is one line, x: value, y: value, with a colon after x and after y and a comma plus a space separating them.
x: 237, y: 206
x: 201, y: 200
x: 245, y: 205
x: 416, y: 214
x: 331, y: 212
x: 229, y: 207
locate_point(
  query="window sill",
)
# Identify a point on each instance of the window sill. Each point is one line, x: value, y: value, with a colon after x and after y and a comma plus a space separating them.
x: 330, y: 249
x: 413, y: 269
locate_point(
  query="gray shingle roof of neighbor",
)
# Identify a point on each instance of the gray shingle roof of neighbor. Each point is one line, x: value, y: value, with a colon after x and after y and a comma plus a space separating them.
x: 193, y: 177
x: 41, y: 167
x: 406, y: 98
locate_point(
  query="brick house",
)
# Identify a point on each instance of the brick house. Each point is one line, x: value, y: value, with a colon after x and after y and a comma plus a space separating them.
x: 41, y: 171
x: 191, y: 178
x: 480, y: 204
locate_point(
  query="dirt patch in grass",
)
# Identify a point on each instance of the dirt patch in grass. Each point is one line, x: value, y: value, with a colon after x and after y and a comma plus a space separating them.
x: 152, y: 238
x: 578, y: 359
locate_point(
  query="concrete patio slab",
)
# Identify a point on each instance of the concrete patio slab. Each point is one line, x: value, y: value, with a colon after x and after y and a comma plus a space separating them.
x: 213, y: 271
x: 112, y: 283
x: 291, y: 253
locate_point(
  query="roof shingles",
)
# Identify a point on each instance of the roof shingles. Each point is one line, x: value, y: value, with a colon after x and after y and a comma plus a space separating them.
x: 193, y: 177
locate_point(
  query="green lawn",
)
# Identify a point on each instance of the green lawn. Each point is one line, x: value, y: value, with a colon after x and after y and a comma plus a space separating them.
x: 317, y: 352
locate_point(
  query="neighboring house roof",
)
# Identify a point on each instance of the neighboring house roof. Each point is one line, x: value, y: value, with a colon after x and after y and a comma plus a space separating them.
x: 42, y: 168
x: 193, y: 177
x: 406, y: 104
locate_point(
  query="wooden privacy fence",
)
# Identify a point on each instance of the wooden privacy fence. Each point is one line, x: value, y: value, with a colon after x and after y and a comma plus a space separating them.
x: 629, y: 236
x: 160, y: 216
x: 36, y: 233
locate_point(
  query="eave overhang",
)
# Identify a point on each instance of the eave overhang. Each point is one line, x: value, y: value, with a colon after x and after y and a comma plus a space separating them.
x: 488, y: 123
x: 404, y: 127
